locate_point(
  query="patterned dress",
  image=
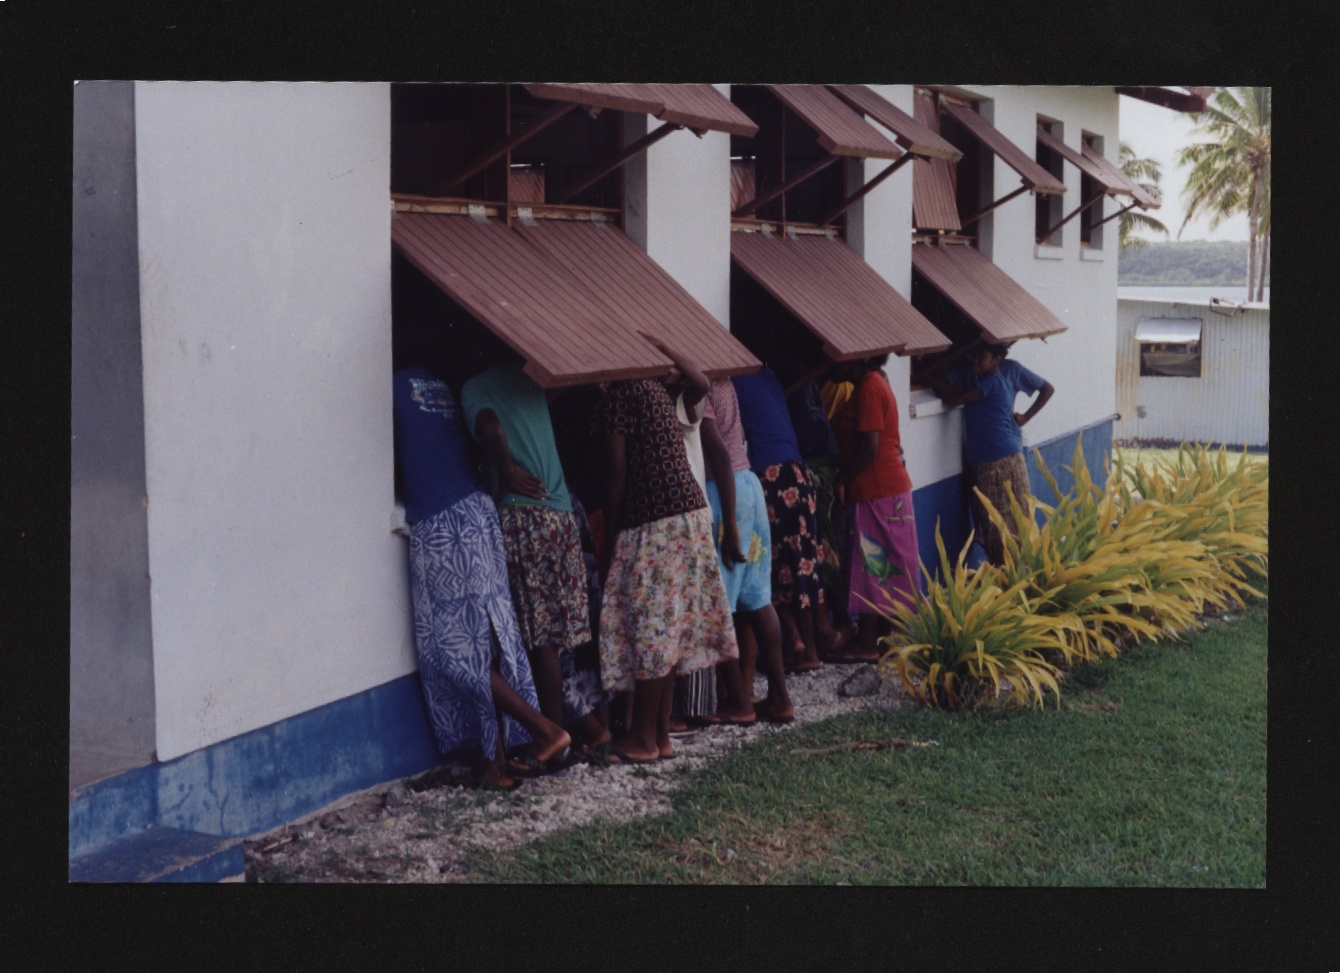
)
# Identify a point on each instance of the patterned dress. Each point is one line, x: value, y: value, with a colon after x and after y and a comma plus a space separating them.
x: 665, y: 606
x: 458, y: 575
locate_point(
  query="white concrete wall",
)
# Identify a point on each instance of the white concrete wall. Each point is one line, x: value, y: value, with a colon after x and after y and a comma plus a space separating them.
x: 678, y: 208
x: 1230, y: 401
x: 1081, y: 291
x: 264, y: 244
x: 880, y: 229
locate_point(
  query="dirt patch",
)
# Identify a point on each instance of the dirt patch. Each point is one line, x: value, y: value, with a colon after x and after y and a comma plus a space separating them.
x: 427, y: 829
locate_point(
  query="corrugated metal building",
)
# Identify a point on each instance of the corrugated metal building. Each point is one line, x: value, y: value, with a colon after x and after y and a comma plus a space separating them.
x: 1193, y: 371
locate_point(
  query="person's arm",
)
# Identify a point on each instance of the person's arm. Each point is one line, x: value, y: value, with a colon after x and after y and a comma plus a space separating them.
x: 718, y: 461
x: 696, y: 383
x: 952, y: 395
x: 616, y: 478
x: 512, y: 478
x: 862, y: 456
x: 1044, y: 396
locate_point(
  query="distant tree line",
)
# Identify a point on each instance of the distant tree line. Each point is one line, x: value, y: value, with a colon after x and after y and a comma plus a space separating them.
x: 1185, y: 262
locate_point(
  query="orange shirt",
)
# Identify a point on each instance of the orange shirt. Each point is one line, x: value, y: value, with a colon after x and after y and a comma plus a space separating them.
x: 877, y: 411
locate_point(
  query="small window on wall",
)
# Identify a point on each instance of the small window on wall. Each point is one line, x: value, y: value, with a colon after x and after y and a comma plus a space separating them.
x: 973, y: 174
x: 1050, y: 206
x: 1090, y: 221
x: 1169, y: 348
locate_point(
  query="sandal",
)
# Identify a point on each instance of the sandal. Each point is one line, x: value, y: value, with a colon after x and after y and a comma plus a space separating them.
x: 526, y: 767
x: 618, y: 757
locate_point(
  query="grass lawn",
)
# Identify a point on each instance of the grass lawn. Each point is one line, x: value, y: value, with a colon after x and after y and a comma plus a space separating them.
x: 1152, y: 773
x: 1148, y: 454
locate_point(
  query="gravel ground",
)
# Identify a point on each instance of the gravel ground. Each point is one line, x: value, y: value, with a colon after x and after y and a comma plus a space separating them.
x: 422, y: 829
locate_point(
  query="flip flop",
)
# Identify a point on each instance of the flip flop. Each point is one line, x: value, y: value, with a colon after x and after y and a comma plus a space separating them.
x: 484, y: 785
x: 526, y: 767
x: 619, y: 758
x: 715, y: 720
x: 668, y: 756
x: 776, y: 720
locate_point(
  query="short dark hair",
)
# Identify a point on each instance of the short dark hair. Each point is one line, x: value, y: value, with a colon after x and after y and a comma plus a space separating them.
x: 999, y: 348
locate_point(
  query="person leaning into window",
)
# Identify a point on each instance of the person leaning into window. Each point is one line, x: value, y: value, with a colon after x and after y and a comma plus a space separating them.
x: 881, y: 526
x: 665, y: 611
x: 476, y: 677
x: 509, y: 416
x: 992, y: 433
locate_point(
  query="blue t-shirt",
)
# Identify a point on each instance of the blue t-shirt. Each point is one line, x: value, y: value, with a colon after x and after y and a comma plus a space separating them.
x: 989, y: 429
x: 809, y: 418
x: 766, y: 419
x: 431, y: 444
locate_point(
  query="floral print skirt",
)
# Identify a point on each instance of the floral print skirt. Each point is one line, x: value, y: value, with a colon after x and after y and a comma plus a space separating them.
x: 664, y: 605
x: 991, y: 478
x: 796, y: 547
x: 882, y: 554
x: 548, y: 580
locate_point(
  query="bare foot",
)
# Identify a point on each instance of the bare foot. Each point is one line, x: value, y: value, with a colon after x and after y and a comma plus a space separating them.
x: 770, y: 711
x: 547, y: 748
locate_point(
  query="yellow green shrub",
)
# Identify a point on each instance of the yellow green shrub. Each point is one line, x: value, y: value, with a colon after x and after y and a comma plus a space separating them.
x: 969, y: 637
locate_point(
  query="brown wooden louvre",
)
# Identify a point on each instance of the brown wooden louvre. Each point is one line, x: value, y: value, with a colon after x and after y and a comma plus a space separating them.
x: 700, y: 106
x: 836, y: 295
x: 992, y: 299
x: 1115, y: 177
x: 908, y: 132
x: 841, y: 130
x: 741, y: 183
x: 934, y: 206
x: 638, y: 293
x: 697, y: 106
x: 1099, y: 174
x: 622, y: 97
x: 567, y: 332
x: 1036, y: 178
x: 1183, y: 98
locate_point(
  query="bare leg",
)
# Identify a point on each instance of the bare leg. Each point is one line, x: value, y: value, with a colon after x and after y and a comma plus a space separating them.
x: 805, y: 618
x: 648, y: 696
x: 589, y: 731
x: 663, y: 745
x: 739, y: 704
x: 765, y: 630
x: 548, y: 737
x: 547, y: 672
x: 794, y: 646
x: 493, y: 773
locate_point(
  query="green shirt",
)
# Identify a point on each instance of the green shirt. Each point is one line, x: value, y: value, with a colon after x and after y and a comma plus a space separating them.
x: 521, y: 407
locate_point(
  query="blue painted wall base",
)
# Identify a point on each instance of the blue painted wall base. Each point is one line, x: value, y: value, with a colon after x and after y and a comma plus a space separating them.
x: 946, y: 501
x: 162, y: 855
x: 262, y: 779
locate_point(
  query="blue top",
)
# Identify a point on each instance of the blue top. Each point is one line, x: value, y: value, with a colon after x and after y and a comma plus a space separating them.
x: 521, y: 407
x: 766, y: 419
x: 432, y: 446
x: 810, y: 420
x: 989, y: 429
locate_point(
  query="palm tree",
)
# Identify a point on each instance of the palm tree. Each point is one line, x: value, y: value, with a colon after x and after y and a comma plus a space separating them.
x: 1146, y: 173
x: 1230, y: 170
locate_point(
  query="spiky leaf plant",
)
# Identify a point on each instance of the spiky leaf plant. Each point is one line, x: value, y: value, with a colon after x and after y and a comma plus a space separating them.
x: 969, y: 637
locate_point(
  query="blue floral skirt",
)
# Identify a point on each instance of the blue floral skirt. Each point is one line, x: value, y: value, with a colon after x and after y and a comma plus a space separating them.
x: 463, y: 615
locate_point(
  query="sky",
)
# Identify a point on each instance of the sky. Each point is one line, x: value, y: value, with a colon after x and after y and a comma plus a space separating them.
x: 1157, y: 133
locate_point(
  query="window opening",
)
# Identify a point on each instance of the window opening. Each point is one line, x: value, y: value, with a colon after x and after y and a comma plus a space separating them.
x: 1049, y: 206
x: 499, y: 146
x: 1091, y: 193
x: 794, y: 179
x: 1170, y: 359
